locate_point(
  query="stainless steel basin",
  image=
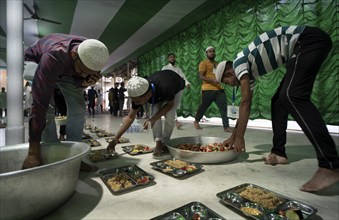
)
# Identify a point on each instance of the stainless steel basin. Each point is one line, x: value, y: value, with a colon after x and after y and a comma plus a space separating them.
x: 33, y: 193
x: 200, y: 157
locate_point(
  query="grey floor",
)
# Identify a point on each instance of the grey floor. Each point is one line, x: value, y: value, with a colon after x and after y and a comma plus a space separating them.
x: 93, y: 200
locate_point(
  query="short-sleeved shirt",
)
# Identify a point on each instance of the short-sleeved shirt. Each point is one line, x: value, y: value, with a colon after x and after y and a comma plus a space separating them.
x: 267, y: 52
x: 209, y: 67
x: 166, y: 84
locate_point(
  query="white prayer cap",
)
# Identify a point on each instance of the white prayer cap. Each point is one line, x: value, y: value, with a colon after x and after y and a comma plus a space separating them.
x: 209, y: 47
x: 220, y: 70
x: 137, y: 86
x: 93, y: 54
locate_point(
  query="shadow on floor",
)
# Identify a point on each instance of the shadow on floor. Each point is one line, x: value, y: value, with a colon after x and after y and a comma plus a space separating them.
x: 294, y: 152
x: 86, y: 197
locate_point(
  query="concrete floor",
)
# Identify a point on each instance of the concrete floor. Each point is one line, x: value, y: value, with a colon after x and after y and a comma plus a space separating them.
x: 93, y: 200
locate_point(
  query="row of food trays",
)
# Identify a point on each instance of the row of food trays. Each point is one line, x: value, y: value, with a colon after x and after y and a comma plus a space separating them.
x: 249, y: 199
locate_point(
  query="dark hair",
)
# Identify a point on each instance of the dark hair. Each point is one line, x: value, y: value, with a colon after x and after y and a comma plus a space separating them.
x: 170, y: 54
x: 229, y: 64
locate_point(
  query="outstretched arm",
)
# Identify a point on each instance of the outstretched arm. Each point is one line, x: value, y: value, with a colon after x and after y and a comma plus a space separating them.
x: 237, y: 138
x: 127, y: 121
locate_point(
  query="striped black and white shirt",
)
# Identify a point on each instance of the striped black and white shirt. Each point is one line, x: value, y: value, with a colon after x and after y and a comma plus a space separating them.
x: 267, y: 52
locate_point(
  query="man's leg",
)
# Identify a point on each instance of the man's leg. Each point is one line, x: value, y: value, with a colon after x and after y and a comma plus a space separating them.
x: 179, y: 97
x: 170, y: 118
x: 295, y: 94
x: 157, y: 131
x: 76, y: 108
x: 221, y: 102
x: 279, y: 124
x: 207, y: 97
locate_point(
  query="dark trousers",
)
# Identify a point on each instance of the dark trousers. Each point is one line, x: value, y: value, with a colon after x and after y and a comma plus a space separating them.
x: 293, y: 97
x: 115, y: 108
x: 217, y: 96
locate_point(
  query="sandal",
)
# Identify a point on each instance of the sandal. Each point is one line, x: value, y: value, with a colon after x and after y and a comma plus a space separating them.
x: 273, y: 159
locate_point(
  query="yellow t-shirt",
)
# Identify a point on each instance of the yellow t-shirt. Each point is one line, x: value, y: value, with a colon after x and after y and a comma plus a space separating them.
x: 208, y: 67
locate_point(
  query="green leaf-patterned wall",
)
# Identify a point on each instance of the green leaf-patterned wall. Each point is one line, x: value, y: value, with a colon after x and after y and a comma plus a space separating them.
x: 233, y: 28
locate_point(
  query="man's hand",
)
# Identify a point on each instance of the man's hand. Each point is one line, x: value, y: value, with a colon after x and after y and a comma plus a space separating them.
x: 91, y: 79
x: 149, y: 124
x: 228, y: 143
x: 239, y: 145
x: 111, y: 146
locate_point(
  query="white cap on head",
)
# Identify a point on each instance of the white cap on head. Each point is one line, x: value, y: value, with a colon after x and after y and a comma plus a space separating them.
x: 137, y: 86
x: 220, y: 70
x: 209, y: 47
x: 93, y: 54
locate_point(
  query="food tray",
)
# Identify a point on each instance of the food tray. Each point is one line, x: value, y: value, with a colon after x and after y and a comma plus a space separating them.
x: 86, y: 136
x: 87, y: 127
x: 121, y: 140
x: 97, y: 130
x: 136, y: 176
x: 193, y: 210
x: 277, y: 209
x: 186, y: 171
x: 100, y: 155
x: 105, y: 134
x: 92, y: 142
x: 137, y: 149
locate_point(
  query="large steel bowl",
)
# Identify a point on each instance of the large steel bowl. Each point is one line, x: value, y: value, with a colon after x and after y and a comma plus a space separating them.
x: 200, y: 157
x: 32, y: 193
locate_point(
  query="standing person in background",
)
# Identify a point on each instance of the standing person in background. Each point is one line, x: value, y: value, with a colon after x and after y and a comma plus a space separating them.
x: 72, y: 63
x: 211, y: 90
x: 110, y: 100
x: 28, y: 99
x: 121, y: 95
x: 92, y: 95
x: 160, y: 89
x: 302, y: 49
x: 171, y: 66
x: 3, y: 102
x: 115, y: 99
x: 100, y: 100
x: 60, y: 110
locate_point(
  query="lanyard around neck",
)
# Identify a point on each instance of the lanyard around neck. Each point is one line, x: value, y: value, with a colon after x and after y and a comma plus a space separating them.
x: 153, y: 97
x: 234, y: 94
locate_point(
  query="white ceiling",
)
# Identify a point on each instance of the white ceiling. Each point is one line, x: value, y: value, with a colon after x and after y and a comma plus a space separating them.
x: 129, y: 28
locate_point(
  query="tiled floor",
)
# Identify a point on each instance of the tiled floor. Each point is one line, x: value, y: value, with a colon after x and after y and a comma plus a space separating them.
x: 93, y: 200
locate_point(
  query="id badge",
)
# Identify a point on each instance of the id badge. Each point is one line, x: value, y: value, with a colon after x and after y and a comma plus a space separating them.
x: 232, y: 111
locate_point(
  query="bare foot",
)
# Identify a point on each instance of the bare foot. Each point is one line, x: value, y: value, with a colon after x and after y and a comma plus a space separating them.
x: 228, y: 129
x: 322, y: 179
x: 274, y: 159
x: 31, y: 161
x: 196, y: 125
x: 178, y: 125
x: 62, y: 137
x: 160, y: 149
